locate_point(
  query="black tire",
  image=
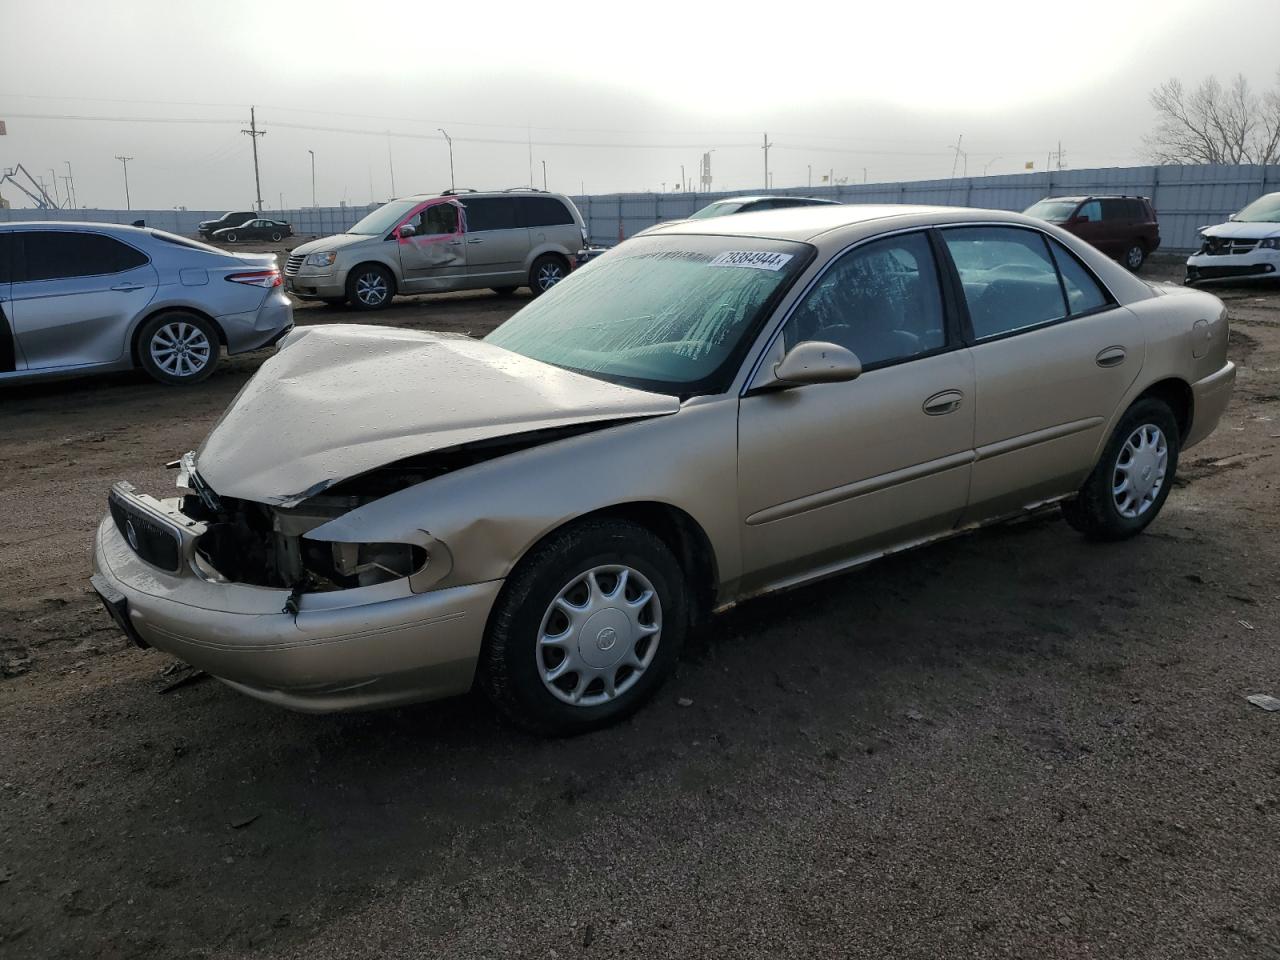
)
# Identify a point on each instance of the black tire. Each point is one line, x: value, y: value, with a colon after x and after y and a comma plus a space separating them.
x: 334, y: 301
x: 363, y: 283
x: 158, y: 343
x: 275, y: 236
x: 548, y: 270
x: 1134, y: 256
x: 504, y: 291
x: 511, y: 661
x: 1094, y: 511
x: 229, y: 237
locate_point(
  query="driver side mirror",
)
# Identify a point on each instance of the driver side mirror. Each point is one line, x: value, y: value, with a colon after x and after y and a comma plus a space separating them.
x: 405, y: 230
x: 817, y: 362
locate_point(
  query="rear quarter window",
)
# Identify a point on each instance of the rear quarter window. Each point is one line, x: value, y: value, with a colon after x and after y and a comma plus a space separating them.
x: 543, y: 212
x: 8, y: 255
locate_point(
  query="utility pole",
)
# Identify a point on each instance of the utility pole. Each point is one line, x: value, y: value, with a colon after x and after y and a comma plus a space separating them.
x: 255, y: 133
x: 313, y: 178
x: 66, y: 189
x: 128, y: 205
x: 449, y: 140
x: 56, y: 198
x: 71, y: 185
x: 956, y: 159
x: 683, y: 184
x: 767, y: 145
x: 544, y: 175
x: 391, y: 166
x: 811, y: 176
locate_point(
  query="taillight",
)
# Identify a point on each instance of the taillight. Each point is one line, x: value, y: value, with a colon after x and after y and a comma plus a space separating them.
x: 259, y: 278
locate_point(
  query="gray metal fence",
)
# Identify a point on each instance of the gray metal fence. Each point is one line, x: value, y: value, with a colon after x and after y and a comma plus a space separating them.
x: 1185, y: 197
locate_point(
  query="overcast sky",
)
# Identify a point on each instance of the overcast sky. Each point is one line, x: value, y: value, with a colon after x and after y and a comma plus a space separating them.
x: 611, y: 95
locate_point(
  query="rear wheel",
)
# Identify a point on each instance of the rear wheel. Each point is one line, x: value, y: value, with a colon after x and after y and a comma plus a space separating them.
x: 1132, y: 480
x: 547, y: 271
x: 230, y: 238
x: 586, y: 628
x: 275, y: 235
x: 370, y: 287
x: 1134, y: 256
x: 178, y: 347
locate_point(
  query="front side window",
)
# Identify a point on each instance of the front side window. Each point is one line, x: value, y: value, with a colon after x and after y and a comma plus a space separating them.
x: 491, y: 213
x: 880, y: 300
x: 56, y: 255
x: 675, y: 314
x: 1091, y: 211
x: 439, y: 218
x: 1008, y: 276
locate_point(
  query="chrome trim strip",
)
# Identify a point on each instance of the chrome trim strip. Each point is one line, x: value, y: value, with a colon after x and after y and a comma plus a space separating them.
x: 989, y: 450
x: 849, y: 491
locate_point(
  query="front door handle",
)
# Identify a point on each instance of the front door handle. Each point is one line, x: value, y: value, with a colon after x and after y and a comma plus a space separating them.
x: 476, y: 240
x: 1111, y: 357
x: 947, y: 401
x: 127, y: 287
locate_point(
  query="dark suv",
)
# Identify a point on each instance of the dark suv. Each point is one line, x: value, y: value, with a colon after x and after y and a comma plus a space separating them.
x: 234, y: 219
x: 1122, y: 227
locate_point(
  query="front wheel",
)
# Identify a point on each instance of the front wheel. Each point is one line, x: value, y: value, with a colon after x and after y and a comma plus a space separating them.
x: 547, y: 271
x: 1134, y: 256
x: 230, y: 238
x: 586, y: 628
x: 178, y: 348
x: 275, y: 236
x: 1131, y: 482
x: 369, y: 287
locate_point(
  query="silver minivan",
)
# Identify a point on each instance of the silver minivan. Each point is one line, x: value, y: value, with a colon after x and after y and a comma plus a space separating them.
x: 456, y: 240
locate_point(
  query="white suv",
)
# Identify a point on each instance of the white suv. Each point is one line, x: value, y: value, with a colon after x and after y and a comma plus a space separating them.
x: 456, y: 240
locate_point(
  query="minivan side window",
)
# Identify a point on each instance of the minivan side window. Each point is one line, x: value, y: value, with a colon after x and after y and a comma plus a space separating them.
x: 543, y: 212
x: 1009, y: 279
x: 491, y: 213
x: 881, y: 300
x: 56, y: 255
x: 8, y: 256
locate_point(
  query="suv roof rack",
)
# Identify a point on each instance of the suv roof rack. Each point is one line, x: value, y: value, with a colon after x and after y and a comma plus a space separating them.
x: 454, y: 191
x: 524, y: 190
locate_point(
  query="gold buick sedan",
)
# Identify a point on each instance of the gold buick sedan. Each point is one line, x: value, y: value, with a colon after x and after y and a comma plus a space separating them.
x: 711, y: 411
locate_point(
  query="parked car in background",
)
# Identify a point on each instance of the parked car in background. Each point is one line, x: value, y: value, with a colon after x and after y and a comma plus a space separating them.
x: 716, y: 410
x: 254, y: 230
x: 230, y: 219
x: 456, y: 240
x: 1246, y: 246
x: 1122, y: 227
x: 92, y: 297
x: 730, y: 205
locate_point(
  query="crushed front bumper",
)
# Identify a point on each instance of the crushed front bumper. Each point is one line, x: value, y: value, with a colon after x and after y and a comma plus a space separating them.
x: 1259, y: 263
x: 344, y: 650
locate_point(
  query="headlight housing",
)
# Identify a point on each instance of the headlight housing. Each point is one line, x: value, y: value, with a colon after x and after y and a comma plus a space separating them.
x: 1270, y: 243
x: 350, y: 565
x: 325, y: 259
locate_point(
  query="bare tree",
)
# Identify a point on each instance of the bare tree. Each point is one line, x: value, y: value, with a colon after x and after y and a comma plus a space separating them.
x: 1215, y: 124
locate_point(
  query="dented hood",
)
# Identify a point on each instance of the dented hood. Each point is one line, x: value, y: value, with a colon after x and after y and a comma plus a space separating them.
x: 340, y: 400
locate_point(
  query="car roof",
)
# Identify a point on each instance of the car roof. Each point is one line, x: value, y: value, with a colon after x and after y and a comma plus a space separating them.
x: 769, y: 196
x: 809, y: 222
x: 75, y: 225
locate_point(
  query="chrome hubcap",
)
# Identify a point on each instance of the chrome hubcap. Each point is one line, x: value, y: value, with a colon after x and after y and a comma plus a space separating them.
x: 1140, y: 471
x: 371, y: 288
x: 180, y: 349
x: 549, y: 275
x: 1135, y: 257
x: 599, y: 635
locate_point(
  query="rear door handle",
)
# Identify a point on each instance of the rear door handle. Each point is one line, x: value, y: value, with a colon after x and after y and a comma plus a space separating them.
x: 476, y: 240
x: 1111, y: 357
x: 127, y: 287
x: 947, y: 401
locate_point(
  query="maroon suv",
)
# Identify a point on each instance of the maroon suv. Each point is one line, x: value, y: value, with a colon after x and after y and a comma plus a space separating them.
x: 1122, y: 227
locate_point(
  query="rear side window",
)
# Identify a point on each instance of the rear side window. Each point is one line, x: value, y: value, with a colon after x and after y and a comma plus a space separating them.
x: 543, y: 212
x: 491, y: 213
x: 1008, y: 276
x: 56, y: 255
x: 1117, y: 210
x: 1138, y: 210
x: 8, y: 254
x: 1084, y: 293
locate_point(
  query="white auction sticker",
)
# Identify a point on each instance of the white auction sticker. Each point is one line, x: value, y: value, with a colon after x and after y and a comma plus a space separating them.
x: 755, y: 259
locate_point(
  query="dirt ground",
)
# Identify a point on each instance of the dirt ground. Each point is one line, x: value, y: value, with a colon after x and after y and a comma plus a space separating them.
x: 1016, y: 744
